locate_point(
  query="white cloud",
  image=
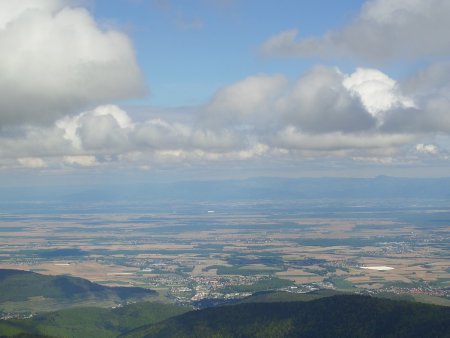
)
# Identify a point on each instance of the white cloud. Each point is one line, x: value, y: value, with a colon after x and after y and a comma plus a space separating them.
x: 106, y: 131
x: 160, y: 134
x: 382, y: 30
x: 427, y: 149
x: 56, y: 60
x: 82, y: 160
x: 318, y: 101
x: 12, y: 10
x: 323, y: 114
x: 31, y: 162
x: 105, y: 127
x: 377, y: 91
x: 56, y: 63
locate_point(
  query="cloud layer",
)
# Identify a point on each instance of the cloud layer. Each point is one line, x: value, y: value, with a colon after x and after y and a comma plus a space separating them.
x: 364, y: 116
x: 60, y: 71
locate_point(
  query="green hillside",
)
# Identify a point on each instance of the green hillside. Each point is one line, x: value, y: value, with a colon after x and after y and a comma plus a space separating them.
x: 336, y: 316
x: 91, y: 321
x: 324, y: 313
x: 30, y: 291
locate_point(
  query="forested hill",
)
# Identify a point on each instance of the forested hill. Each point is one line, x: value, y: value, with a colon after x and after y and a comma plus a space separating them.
x: 337, y: 316
x: 18, y: 285
x: 333, y: 316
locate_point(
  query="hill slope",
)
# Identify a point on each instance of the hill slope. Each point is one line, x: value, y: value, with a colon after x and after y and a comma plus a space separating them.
x: 91, y: 321
x: 337, y: 316
x: 21, y: 289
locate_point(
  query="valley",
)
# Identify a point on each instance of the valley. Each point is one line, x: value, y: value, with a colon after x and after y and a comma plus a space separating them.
x: 210, y: 253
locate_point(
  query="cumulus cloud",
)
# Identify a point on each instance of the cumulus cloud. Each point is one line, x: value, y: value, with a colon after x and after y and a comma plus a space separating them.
x: 432, y: 81
x: 322, y: 100
x: 244, y: 102
x: 160, y: 134
x: 431, y: 116
x: 57, y: 60
x: 427, y: 149
x: 102, y: 128
x: 11, y: 10
x: 108, y: 134
x: 429, y: 88
x: 368, y: 108
x: 324, y: 113
x: 382, y: 30
x: 57, y: 64
x: 377, y: 91
x: 319, y: 102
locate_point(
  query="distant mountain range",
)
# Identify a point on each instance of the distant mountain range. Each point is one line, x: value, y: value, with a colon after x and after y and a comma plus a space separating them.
x: 260, y: 188
x: 259, y: 316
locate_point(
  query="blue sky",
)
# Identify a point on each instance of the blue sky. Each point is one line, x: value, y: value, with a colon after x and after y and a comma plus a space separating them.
x: 188, y: 50
x: 167, y: 89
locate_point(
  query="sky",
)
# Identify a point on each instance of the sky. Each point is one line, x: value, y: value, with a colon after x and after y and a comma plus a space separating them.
x: 136, y: 90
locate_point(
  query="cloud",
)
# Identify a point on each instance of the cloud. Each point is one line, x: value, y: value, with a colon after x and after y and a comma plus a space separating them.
x: 430, y: 117
x: 433, y: 80
x: 83, y: 161
x: 286, y: 44
x: 383, y: 30
x: 320, y: 103
x: 12, y: 10
x: 107, y: 134
x: 317, y: 102
x: 60, y: 69
x: 429, y: 88
x: 325, y: 113
x: 186, y: 24
x: 247, y: 101
x: 292, y: 138
x: 427, y: 149
x: 31, y: 162
x: 56, y: 60
x: 160, y: 134
x: 103, y: 128
x: 377, y: 91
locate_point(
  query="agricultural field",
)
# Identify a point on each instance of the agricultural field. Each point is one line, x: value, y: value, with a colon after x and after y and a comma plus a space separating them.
x: 192, y: 253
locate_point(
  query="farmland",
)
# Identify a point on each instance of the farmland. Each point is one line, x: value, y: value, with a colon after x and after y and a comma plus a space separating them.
x: 191, y: 253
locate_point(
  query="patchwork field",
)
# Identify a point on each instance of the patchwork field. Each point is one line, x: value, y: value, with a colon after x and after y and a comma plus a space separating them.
x: 193, y: 254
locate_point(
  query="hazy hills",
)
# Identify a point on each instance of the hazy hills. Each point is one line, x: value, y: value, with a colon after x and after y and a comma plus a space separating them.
x: 247, y: 189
